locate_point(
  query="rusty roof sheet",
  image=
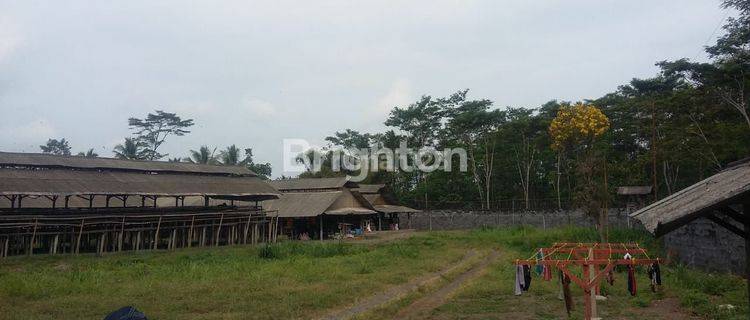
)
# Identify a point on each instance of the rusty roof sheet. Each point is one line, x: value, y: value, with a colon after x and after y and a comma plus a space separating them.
x: 39, y: 160
x: 62, y: 182
x: 724, y: 188
x: 312, y: 183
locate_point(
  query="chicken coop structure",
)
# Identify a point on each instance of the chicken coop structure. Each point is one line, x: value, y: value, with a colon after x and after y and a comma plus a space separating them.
x: 72, y: 204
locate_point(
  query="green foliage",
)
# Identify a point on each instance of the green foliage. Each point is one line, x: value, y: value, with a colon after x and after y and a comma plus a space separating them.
x: 131, y: 149
x: 56, y: 147
x: 154, y: 129
x: 294, y: 249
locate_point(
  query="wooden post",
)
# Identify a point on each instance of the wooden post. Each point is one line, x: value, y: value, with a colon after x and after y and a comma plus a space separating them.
x: 586, y: 295
x: 122, y: 234
x: 592, y: 292
x: 138, y: 241
x: 156, y: 234
x: 190, y: 233
x: 218, y: 230
x: 203, y: 237
x: 100, y: 249
x: 53, y: 248
x: 247, y: 229
x: 173, y: 239
x: 321, y: 227
x: 33, y: 236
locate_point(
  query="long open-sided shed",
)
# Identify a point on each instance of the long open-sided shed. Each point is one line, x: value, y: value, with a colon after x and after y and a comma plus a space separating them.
x: 723, y: 198
x: 319, y: 206
x: 74, y: 204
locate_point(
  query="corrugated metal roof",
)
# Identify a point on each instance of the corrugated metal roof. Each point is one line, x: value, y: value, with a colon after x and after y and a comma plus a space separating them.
x: 10, y: 159
x: 721, y: 189
x: 77, y: 182
x: 311, y: 183
x: 302, y: 204
x: 633, y: 190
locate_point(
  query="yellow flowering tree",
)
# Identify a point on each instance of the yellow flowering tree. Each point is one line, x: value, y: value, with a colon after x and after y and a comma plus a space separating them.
x: 577, y: 125
x: 574, y: 131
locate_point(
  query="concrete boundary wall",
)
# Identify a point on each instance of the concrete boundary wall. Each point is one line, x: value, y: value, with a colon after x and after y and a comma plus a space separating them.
x: 701, y: 244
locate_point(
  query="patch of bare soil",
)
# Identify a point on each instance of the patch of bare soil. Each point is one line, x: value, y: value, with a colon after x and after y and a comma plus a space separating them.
x: 666, y: 309
x: 397, y: 291
x: 421, y: 308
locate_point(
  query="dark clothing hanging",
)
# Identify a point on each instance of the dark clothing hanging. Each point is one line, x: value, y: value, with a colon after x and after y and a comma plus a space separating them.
x: 526, y: 277
x: 565, y: 280
x: 654, y: 273
x: 632, y: 286
x: 611, y: 278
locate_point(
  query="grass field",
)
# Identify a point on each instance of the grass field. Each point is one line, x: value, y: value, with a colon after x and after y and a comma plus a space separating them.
x: 309, y: 280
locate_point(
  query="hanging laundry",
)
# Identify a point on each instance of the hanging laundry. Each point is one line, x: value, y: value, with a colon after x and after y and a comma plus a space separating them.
x: 539, y: 268
x: 632, y: 285
x: 547, y: 274
x: 519, y: 280
x: 526, y: 278
x: 611, y: 278
x: 654, y: 273
x: 566, y: 292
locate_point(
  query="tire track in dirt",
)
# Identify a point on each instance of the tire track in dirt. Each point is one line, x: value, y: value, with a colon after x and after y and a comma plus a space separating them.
x: 397, y: 291
x: 421, y: 308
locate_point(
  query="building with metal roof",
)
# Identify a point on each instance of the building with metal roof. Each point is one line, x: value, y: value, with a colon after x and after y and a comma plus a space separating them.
x: 47, y: 198
x: 320, y: 207
x: 723, y: 198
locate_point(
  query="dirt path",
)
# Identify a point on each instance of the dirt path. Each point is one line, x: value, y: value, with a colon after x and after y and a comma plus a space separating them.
x: 398, y: 291
x: 421, y: 308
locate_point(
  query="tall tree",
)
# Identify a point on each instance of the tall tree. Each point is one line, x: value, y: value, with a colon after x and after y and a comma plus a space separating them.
x: 154, y: 129
x: 473, y: 124
x: 204, y: 155
x: 576, y: 129
x: 230, y: 156
x: 57, y: 147
x: 88, y: 154
x: 262, y: 169
x: 131, y: 149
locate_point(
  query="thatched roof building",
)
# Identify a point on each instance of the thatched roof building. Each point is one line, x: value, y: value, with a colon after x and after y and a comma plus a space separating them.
x: 311, y: 197
x: 378, y: 197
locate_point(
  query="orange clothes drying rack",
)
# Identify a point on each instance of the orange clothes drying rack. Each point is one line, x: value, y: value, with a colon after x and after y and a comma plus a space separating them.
x: 596, y: 261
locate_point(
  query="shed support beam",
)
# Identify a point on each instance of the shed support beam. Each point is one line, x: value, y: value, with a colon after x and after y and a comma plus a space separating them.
x: 728, y: 226
x: 736, y: 216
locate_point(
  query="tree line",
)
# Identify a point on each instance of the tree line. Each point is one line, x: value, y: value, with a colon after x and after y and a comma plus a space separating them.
x: 669, y: 131
x: 150, y: 133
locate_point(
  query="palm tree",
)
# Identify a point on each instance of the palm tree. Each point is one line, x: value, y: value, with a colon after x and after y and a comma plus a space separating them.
x: 204, y: 155
x: 230, y: 156
x: 174, y: 160
x: 88, y: 154
x: 132, y: 149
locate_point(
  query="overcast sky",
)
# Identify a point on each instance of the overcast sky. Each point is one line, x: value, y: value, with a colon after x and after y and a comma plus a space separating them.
x: 252, y: 73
